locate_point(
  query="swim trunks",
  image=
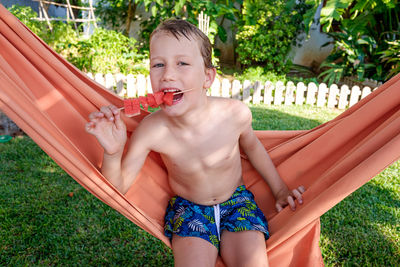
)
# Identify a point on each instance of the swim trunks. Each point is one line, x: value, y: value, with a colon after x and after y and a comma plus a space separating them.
x: 238, y: 213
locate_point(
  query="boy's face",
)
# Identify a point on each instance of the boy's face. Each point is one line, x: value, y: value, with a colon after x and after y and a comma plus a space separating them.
x: 177, y: 65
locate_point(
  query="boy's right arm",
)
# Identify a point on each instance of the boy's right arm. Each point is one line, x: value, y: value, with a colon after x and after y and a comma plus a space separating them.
x: 110, y: 131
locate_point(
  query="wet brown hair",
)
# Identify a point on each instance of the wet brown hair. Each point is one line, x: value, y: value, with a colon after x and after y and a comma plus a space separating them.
x: 179, y: 28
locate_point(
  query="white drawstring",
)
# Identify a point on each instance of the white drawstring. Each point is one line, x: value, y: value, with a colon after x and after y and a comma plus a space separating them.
x: 217, y: 216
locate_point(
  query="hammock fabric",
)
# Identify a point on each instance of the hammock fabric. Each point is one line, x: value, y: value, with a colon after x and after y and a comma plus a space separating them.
x: 50, y: 100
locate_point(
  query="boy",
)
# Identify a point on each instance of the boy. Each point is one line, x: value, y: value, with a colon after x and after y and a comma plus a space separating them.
x: 198, y: 138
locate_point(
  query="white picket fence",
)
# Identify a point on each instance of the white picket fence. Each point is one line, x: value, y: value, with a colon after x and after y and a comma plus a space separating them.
x: 250, y: 91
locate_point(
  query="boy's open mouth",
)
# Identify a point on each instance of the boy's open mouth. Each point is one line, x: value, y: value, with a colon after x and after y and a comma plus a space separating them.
x: 178, y: 94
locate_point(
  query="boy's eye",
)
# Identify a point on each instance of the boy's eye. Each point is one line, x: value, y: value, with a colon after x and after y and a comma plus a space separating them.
x: 181, y: 63
x: 158, y: 65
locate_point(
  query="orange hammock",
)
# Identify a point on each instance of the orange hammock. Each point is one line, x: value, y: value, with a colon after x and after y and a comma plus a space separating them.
x: 50, y: 100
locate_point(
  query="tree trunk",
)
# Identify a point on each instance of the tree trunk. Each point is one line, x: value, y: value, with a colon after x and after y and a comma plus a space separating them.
x: 131, y: 13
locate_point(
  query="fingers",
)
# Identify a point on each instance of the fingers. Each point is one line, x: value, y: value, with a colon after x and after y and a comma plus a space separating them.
x: 94, y: 116
x: 297, y: 195
x: 89, y: 127
x: 106, y: 113
x: 292, y: 205
x: 290, y: 199
x: 109, y: 112
x: 119, y: 123
x: 301, y: 189
x: 282, y: 204
x: 116, y: 117
x: 279, y: 207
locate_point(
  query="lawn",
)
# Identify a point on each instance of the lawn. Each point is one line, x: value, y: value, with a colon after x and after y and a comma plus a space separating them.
x: 46, y: 218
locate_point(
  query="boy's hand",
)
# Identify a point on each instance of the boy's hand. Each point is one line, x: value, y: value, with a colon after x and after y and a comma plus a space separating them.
x: 109, y: 129
x: 286, y: 197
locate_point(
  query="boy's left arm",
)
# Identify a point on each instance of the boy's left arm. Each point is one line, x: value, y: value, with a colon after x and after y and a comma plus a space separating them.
x: 262, y: 162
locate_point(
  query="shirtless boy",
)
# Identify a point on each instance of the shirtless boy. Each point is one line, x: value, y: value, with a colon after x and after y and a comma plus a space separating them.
x: 198, y: 138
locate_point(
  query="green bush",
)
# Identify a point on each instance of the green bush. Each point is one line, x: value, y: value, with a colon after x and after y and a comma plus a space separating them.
x: 258, y: 74
x: 26, y: 15
x: 364, y: 35
x: 116, y: 13
x: 61, y: 37
x: 105, y: 51
x: 266, y: 32
x: 391, y: 58
x: 351, y: 55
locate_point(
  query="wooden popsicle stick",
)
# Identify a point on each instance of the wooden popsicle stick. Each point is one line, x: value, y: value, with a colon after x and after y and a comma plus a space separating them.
x: 128, y: 115
x: 184, y: 91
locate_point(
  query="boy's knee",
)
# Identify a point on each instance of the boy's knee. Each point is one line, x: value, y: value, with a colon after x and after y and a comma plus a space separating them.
x: 193, y: 251
x: 246, y: 248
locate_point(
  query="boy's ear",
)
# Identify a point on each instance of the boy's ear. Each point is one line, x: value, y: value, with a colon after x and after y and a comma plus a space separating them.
x: 210, y: 76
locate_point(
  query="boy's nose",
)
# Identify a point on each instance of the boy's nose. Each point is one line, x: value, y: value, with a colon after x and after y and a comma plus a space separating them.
x: 169, y: 73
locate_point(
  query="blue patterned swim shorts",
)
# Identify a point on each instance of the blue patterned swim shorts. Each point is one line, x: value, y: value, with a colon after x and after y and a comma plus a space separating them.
x: 238, y: 213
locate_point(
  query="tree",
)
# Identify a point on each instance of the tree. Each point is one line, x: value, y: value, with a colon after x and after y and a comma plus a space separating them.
x: 121, y: 13
x: 266, y: 32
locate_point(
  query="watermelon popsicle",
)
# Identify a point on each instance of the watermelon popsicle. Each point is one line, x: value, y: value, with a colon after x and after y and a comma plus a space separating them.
x: 132, y: 105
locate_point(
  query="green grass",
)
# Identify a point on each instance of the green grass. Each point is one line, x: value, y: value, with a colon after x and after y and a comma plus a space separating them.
x: 364, y: 229
x: 41, y: 224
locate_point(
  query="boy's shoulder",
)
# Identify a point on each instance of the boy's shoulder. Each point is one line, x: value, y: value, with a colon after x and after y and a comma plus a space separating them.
x: 153, y: 120
x: 229, y: 104
x: 223, y: 102
x: 151, y: 124
x: 234, y: 108
x: 151, y: 128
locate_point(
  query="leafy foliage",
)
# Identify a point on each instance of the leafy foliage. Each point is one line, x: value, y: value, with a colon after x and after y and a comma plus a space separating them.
x: 115, y: 14
x: 266, y: 32
x: 365, y: 33
x: 26, y: 15
x: 104, y: 51
x: 391, y: 57
x: 359, y: 13
x: 259, y: 74
x: 61, y: 38
x: 350, y: 54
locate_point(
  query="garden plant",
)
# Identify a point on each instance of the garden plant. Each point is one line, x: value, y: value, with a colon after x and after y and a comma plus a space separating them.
x: 365, y: 36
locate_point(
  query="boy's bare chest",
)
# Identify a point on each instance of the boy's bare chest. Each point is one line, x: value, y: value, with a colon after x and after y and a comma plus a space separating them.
x: 202, y: 150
